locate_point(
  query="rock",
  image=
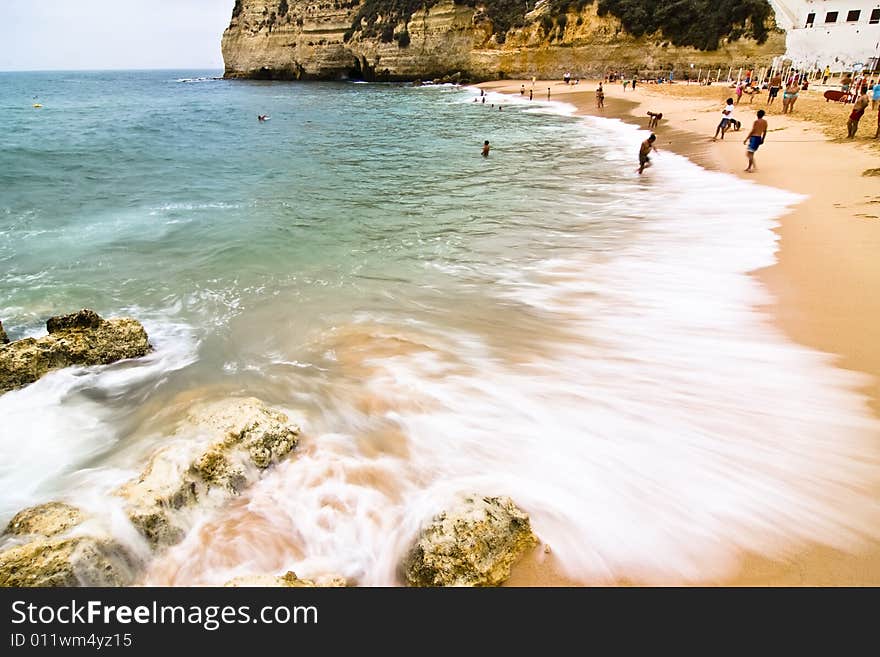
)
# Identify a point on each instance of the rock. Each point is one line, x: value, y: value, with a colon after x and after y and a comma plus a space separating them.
x: 288, y: 580
x: 82, y: 338
x: 246, y: 437
x: 84, y: 319
x: 330, y: 40
x: 78, y: 561
x: 46, y: 520
x: 4, y: 339
x: 473, y: 544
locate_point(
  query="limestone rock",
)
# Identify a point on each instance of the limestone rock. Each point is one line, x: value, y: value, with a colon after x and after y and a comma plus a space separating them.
x: 4, y: 339
x: 247, y: 437
x: 313, y: 39
x: 82, y: 338
x: 288, y: 580
x: 45, y: 520
x: 473, y: 544
x: 78, y: 561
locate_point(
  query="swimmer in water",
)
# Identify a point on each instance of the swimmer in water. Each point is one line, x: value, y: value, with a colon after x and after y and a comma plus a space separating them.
x: 486, y: 148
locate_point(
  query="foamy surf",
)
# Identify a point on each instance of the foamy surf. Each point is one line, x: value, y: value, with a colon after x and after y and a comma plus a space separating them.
x: 542, y: 323
x: 56, y: 433
x: 657, y: 429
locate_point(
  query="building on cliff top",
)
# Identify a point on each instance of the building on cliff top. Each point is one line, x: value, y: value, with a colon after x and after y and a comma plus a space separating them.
x: 840, y: 34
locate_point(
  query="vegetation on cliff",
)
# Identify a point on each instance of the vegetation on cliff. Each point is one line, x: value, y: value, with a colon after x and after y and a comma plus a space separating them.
x: 701, y: 24
x: 698, y: 23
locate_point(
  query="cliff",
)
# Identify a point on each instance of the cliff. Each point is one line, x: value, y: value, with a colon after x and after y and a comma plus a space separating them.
x: 393, y: 40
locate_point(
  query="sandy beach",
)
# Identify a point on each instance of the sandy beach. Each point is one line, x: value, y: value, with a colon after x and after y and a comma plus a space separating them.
x: 827, y: 273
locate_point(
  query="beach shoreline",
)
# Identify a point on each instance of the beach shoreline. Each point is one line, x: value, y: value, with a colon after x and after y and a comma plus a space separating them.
x: 822, y: 285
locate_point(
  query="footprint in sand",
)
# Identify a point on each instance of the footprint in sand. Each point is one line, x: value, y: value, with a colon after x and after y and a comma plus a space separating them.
x: 868, y: 216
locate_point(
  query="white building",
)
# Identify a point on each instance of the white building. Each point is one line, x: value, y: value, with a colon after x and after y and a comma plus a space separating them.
x: 841, y: 34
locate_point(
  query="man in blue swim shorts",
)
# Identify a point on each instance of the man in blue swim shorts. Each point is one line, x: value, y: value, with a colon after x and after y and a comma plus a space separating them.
x: 755, y: 139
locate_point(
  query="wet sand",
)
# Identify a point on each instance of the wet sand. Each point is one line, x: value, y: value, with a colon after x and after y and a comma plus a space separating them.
x: 825, y: 281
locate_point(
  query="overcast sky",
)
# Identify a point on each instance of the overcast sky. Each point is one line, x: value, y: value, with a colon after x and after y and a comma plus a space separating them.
x: 102, y: 34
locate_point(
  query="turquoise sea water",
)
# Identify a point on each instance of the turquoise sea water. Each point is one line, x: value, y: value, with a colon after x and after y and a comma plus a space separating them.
x: 541, y: 323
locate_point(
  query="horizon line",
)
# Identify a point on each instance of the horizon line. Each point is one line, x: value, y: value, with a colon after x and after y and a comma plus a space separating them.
x: 104, y: 70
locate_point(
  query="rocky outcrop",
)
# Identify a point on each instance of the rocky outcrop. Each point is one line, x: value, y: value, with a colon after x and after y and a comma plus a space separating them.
x: 82, y: 338
x: 473, y: 544
x: 78, y: 561
x: 288, y: 580
x: 222, y: 448
x: 53, y: 557
x: 228, y: 444
x: 4, y: 339
x: 312, y: 39
x: 45, y: 520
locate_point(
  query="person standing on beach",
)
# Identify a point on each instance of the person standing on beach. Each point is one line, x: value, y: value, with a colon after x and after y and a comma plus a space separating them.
x: 600, y: 97
x: 852, y: 124
x: 634, y: 84
x: 548, y: 93
x: 789, y: 96
x: 645, y: 150
x: 826, y: 75
x: 531, y: 92
x: 875, y: 95
x: 775, y: 84
x: 726, y: 116
x: 739, y: 92
x: 486, y: 148
x: 755, y: 139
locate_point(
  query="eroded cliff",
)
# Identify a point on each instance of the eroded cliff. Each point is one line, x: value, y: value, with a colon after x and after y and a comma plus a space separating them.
x: 394, y: 40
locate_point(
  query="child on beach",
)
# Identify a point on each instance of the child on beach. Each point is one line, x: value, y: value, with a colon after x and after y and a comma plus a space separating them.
x: 755, y: 139
x: 726, y: 116
x: 644, y: 150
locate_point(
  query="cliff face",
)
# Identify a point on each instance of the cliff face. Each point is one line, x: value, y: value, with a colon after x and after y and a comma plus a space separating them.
x: 315, y: 39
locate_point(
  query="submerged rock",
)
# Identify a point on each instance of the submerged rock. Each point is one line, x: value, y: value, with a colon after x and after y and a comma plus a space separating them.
x: 247, y: 438
x: 473, y: 544
x: 45, y: 519
x: 288, y: 580
x: 76, y: 561
x: 4, y: 339
x: 82, y: 338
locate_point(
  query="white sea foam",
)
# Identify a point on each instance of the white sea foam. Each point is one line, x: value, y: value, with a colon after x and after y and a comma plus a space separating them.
x: 662, y: 427
x: 52, y: 457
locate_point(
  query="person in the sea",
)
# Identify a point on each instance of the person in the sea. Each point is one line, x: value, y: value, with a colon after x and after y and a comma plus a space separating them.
x: 522, y: 90
x: 859, y: 107
x: 486, y: 148
x: 644, y: 150
x: 724, y: 124
x: 531, y: 93
x: 261, y: 117
x: 755, y: 139
x: 484, y: 99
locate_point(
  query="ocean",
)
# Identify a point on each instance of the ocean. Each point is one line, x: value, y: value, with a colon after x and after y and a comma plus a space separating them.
x: 543, y: 324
